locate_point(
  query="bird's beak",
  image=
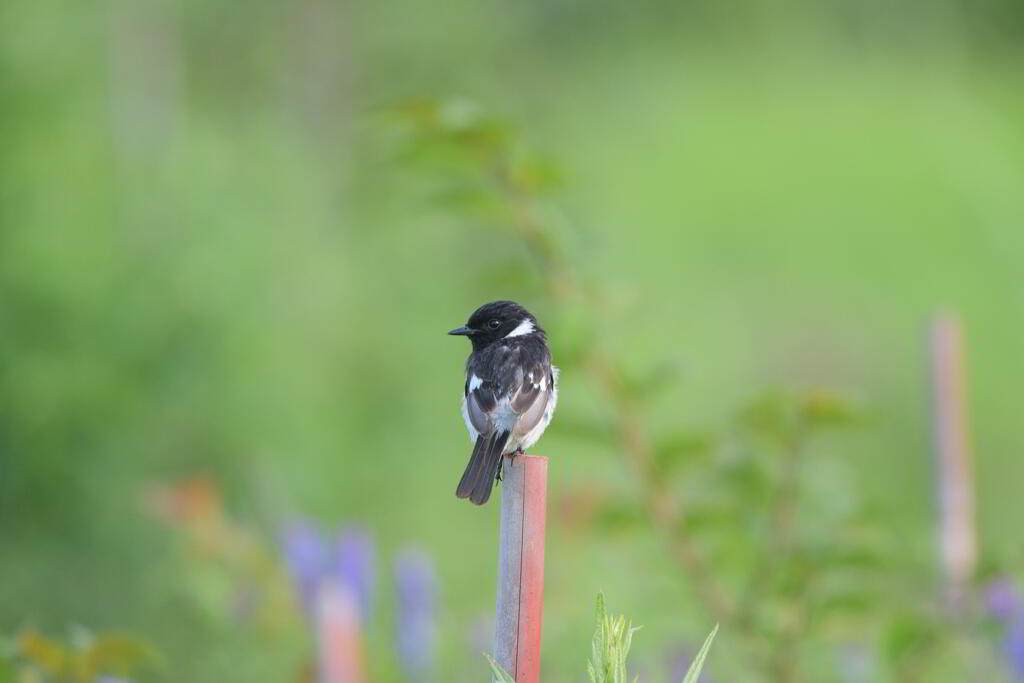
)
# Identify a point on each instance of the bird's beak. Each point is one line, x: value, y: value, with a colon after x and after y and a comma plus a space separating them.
x: 463, y: 331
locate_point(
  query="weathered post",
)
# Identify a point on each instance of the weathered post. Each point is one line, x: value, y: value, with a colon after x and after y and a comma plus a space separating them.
x: 957, y: 538
x: 520, y: 603
x: 339, y: 635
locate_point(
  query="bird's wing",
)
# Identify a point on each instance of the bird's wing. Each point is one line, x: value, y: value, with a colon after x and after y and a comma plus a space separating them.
x: 531, y: 400
x: 514, y: 401
x: 481, y: 401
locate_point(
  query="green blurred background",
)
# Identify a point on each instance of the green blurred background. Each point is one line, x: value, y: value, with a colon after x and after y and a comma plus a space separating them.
x: 219, y: 259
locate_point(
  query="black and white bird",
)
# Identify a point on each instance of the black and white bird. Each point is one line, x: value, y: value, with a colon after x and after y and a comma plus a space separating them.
x: 510, y: 392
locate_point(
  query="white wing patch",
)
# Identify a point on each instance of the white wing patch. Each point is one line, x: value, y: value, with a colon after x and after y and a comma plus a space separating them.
x: 531, y: 437
x: 505, y: 417
x: 469, y: 425
x: 525, y: 327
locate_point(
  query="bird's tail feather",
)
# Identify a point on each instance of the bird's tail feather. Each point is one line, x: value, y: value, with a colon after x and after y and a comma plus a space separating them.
x: 478, y: 479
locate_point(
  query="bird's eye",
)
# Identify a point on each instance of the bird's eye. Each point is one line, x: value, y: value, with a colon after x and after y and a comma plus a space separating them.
x: 494, y: 324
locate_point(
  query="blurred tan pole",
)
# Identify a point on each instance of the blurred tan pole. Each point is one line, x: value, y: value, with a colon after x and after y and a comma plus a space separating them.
x: 340, y: 649
x: 957, y: 536
x: 520, y: 603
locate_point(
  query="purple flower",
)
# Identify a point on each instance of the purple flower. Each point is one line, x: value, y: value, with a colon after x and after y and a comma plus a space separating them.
x: 416, y: 587
x: 1004, y: 603
x: 1013, y: 645
x: 352, y: 563
x: 313, y: 559
x: 306, y: 555
x: 1001, y: 599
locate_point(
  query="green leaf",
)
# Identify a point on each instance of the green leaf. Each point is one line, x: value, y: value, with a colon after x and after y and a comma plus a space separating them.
x: 619, y: 516
x: 824, y: 409
x: 8, y: 649
x: 595, y: 431
x: 910, y: 633
x: 460, y: 114
x: 612, y: 639
x: 693, y: 673
x: 501, y: 676
x: 783, y: 415
x: 534, y: 174
x: 119, y: 654
x: 648, y: 383
x: 50, y: 656
x: 676, y: 449
x: 705, y: 515
x: 769, y: 414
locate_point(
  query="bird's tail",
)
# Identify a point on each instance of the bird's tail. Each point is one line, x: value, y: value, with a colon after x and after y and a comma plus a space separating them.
x: 483, y: 465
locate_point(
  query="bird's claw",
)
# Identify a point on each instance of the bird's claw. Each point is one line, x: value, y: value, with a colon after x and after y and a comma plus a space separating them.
x: 511, y: 456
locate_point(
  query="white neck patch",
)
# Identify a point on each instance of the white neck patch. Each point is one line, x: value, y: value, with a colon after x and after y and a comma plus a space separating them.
x: 525, y: 327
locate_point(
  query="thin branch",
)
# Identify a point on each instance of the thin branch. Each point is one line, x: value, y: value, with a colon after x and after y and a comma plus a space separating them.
x: 632, y: 431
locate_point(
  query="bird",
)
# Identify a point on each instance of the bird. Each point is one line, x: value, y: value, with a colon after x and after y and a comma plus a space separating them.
x: 510, y: 392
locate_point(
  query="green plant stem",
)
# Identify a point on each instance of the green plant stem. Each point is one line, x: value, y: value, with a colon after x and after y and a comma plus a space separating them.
x: 632, y: 432
x: 783, y: 659
x: 668, y: 516
x: 524, y: 218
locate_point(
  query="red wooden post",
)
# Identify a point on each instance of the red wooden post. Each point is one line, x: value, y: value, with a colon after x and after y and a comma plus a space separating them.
x: 341, y: 658
x: 520, y: 603
x: 957, y: 537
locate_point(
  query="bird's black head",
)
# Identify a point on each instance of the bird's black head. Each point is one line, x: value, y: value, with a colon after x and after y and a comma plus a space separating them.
x: 498, y: 320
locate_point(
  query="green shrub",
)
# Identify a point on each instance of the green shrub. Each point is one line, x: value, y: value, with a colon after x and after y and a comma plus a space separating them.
x: 610, y: 648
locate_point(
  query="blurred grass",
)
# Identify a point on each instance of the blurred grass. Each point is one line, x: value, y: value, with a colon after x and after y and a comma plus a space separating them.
x: 211, y: 259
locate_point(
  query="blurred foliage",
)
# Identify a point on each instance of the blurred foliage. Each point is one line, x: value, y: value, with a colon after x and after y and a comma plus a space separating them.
x: 217, y: 265
x: 227, y: 571
x: 610, y: 650
x: 693, y: 672
x: 85, y: 658
x: 500, y: 675
x: 764, y: 527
